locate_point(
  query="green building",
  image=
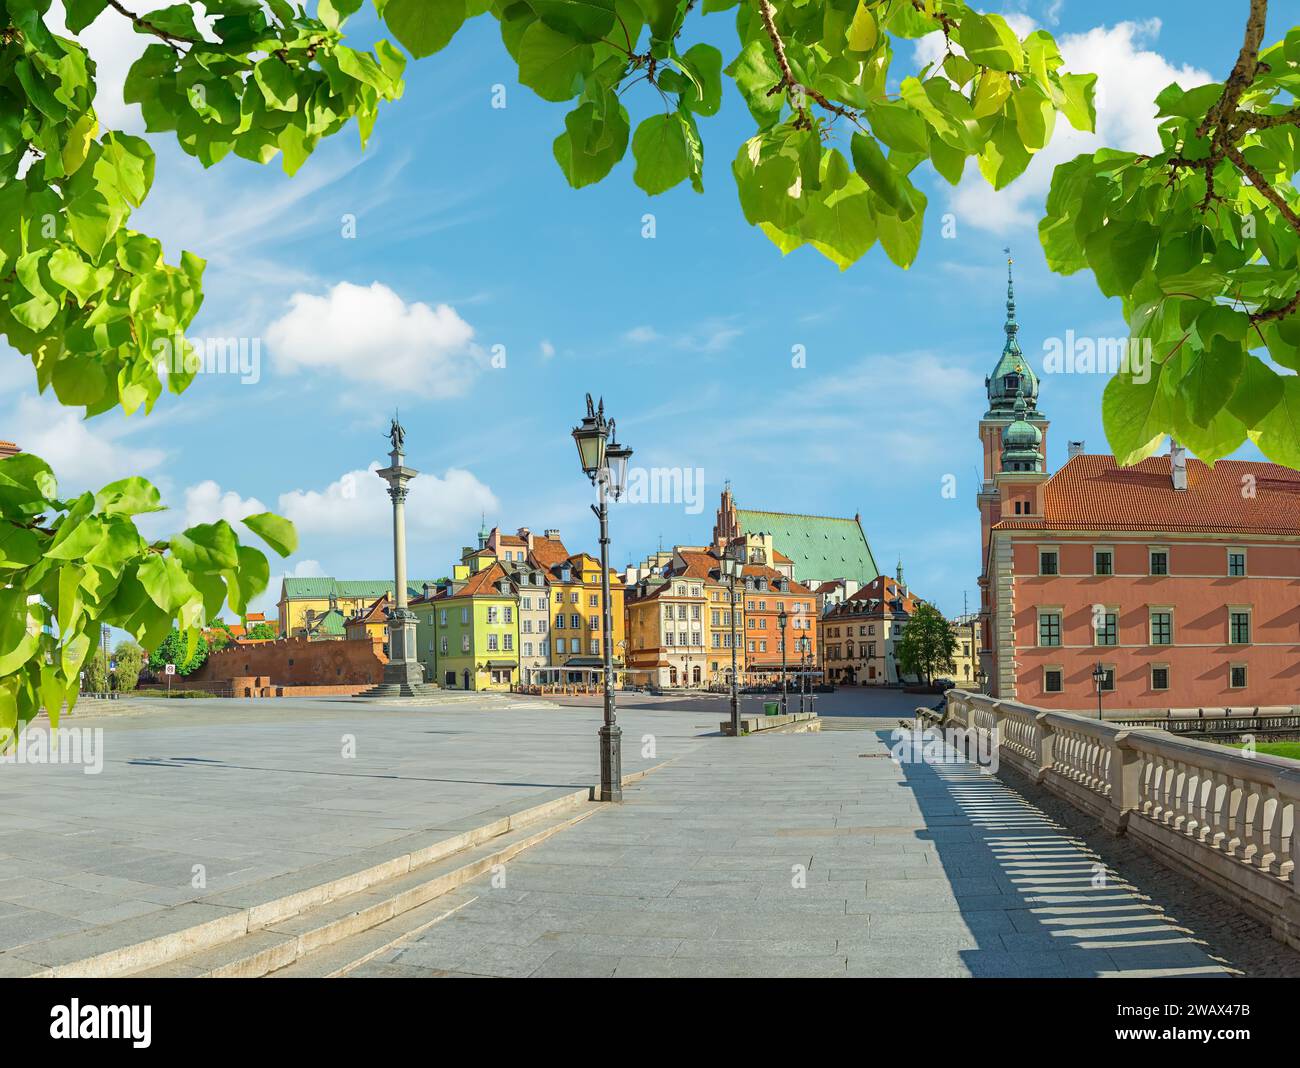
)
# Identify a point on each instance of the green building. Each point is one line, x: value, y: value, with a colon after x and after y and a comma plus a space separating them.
x: 467, y: 632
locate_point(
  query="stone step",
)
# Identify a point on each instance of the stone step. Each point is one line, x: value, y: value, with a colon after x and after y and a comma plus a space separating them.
x: 330, y: 933
x: 157, y: 939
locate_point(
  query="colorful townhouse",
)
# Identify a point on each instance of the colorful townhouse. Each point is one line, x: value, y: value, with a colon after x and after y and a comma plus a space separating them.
x: 576, y: 604
x: 862, y: 632
x: 529, y: 583
x: 467, y: 631
x: 668, y: 605
x: 1180, y: 581
x: 767, y: 593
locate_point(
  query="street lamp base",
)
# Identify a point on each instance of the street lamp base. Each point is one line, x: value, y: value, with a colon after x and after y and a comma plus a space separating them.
x: 611, y: 763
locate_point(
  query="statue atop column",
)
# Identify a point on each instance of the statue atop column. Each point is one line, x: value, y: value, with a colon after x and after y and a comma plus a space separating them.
x: 403, y: 674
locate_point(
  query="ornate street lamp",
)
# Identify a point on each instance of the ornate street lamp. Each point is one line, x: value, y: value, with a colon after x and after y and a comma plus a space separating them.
x: 604, y: 461
x: 979, y: 679
x: 1098, y: 677
x: 781, y: 620
x: 732, y: 565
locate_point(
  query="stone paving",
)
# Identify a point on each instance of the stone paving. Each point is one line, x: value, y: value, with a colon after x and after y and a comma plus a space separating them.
x: 253, y: 789
x: 809, y: 855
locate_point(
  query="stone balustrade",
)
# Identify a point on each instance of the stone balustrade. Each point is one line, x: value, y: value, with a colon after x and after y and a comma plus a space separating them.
x: 1221, y: 816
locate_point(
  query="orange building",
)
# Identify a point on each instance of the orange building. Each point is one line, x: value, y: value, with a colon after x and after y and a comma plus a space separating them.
x: 1182, y: 581
x: 767, y: 592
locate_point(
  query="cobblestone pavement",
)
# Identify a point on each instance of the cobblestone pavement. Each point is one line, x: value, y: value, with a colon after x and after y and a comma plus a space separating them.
x: 814, y: 855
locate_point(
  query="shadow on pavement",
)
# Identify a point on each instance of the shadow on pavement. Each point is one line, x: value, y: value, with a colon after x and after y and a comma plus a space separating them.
x: 1037, y: 902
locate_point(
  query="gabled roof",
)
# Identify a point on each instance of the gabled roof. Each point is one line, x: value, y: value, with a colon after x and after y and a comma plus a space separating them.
x: 817, y: 546
x: 547, y: 552
x: 1091, y: 492
x: 372, y: 613
x: 483, y: 583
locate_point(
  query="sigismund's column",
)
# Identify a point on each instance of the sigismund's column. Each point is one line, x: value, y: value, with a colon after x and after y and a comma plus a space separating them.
x: 402, y: 669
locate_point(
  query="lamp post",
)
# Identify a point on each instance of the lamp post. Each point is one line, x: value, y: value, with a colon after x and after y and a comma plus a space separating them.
x: 731, y: 568
x: 1098, y: 677
x: 781, y: 620
x: 979, y: 679
x: 604, y: 462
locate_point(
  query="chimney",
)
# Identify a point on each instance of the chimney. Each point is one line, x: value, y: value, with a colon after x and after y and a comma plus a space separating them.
x: 428, y: 590
x: 1178, y: 465
x: 1076, y: 449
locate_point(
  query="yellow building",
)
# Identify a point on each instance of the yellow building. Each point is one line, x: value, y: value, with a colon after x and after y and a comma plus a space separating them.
x: 966, y: 658
x: 576, y: 603
x: 298, y: 596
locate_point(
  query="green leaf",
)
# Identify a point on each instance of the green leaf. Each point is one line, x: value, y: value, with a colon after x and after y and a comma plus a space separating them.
x: 1079, y: 105
x: 901, y: 128
x: 1210, y: 378
x: 592, y: 143
x: 1278, y: 433
x: 165, y: 582
x: 663, y: 152
x: 278, y: 84
x: 1136, y: 415
x: 839, y: 222
x: 863, y: 31
x: 207, y: 547
x: 876, y: 171
x: 582, y: 20
x: 755, y: 71
x: 81, y: 13
x: 278, y: 533
x: 1035, y: 115
x: 1004, y: 157
x: 128, y: 496
x: 704, y: 63
x: 990, y: 42
x: 551, y: 63
x: 423, y: 27
x: 899, y: 237
x: 1258, y: 391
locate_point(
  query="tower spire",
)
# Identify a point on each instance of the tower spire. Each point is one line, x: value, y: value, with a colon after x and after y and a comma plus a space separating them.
x: 1012, y: 327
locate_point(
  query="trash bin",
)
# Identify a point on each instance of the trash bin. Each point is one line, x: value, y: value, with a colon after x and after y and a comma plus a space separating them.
x: 771, y: 708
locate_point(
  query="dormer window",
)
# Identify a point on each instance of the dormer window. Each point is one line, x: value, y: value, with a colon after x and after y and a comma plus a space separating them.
x: 1012, y: 382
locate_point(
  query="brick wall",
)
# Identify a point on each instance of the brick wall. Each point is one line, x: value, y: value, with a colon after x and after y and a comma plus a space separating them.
x: 296, y: 662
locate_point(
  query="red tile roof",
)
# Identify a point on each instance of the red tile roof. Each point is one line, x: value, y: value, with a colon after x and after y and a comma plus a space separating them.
x: 547, y: 553
x: 483, y: 582
x: 1094, y: 493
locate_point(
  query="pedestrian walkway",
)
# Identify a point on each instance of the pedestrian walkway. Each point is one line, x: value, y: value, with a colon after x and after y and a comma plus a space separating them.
x: 807, y: 855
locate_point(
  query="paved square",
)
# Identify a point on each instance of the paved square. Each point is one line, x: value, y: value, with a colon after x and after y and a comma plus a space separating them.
x: 807, y: 855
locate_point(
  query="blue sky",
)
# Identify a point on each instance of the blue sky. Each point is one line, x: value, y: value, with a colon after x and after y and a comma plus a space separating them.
x: 467, y: 238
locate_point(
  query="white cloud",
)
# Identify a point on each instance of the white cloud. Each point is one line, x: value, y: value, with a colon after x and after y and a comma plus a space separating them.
x: 369, y: 334
x: 206, y: 502
x: 83, y: 455
x: 712, y: 335
x: 1129, y: 76
x: 548, y: 350
x: 356, y: 507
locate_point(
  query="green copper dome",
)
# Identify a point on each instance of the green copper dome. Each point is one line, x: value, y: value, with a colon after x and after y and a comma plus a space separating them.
x: 1021, y: 441
x: 1012, y: 374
